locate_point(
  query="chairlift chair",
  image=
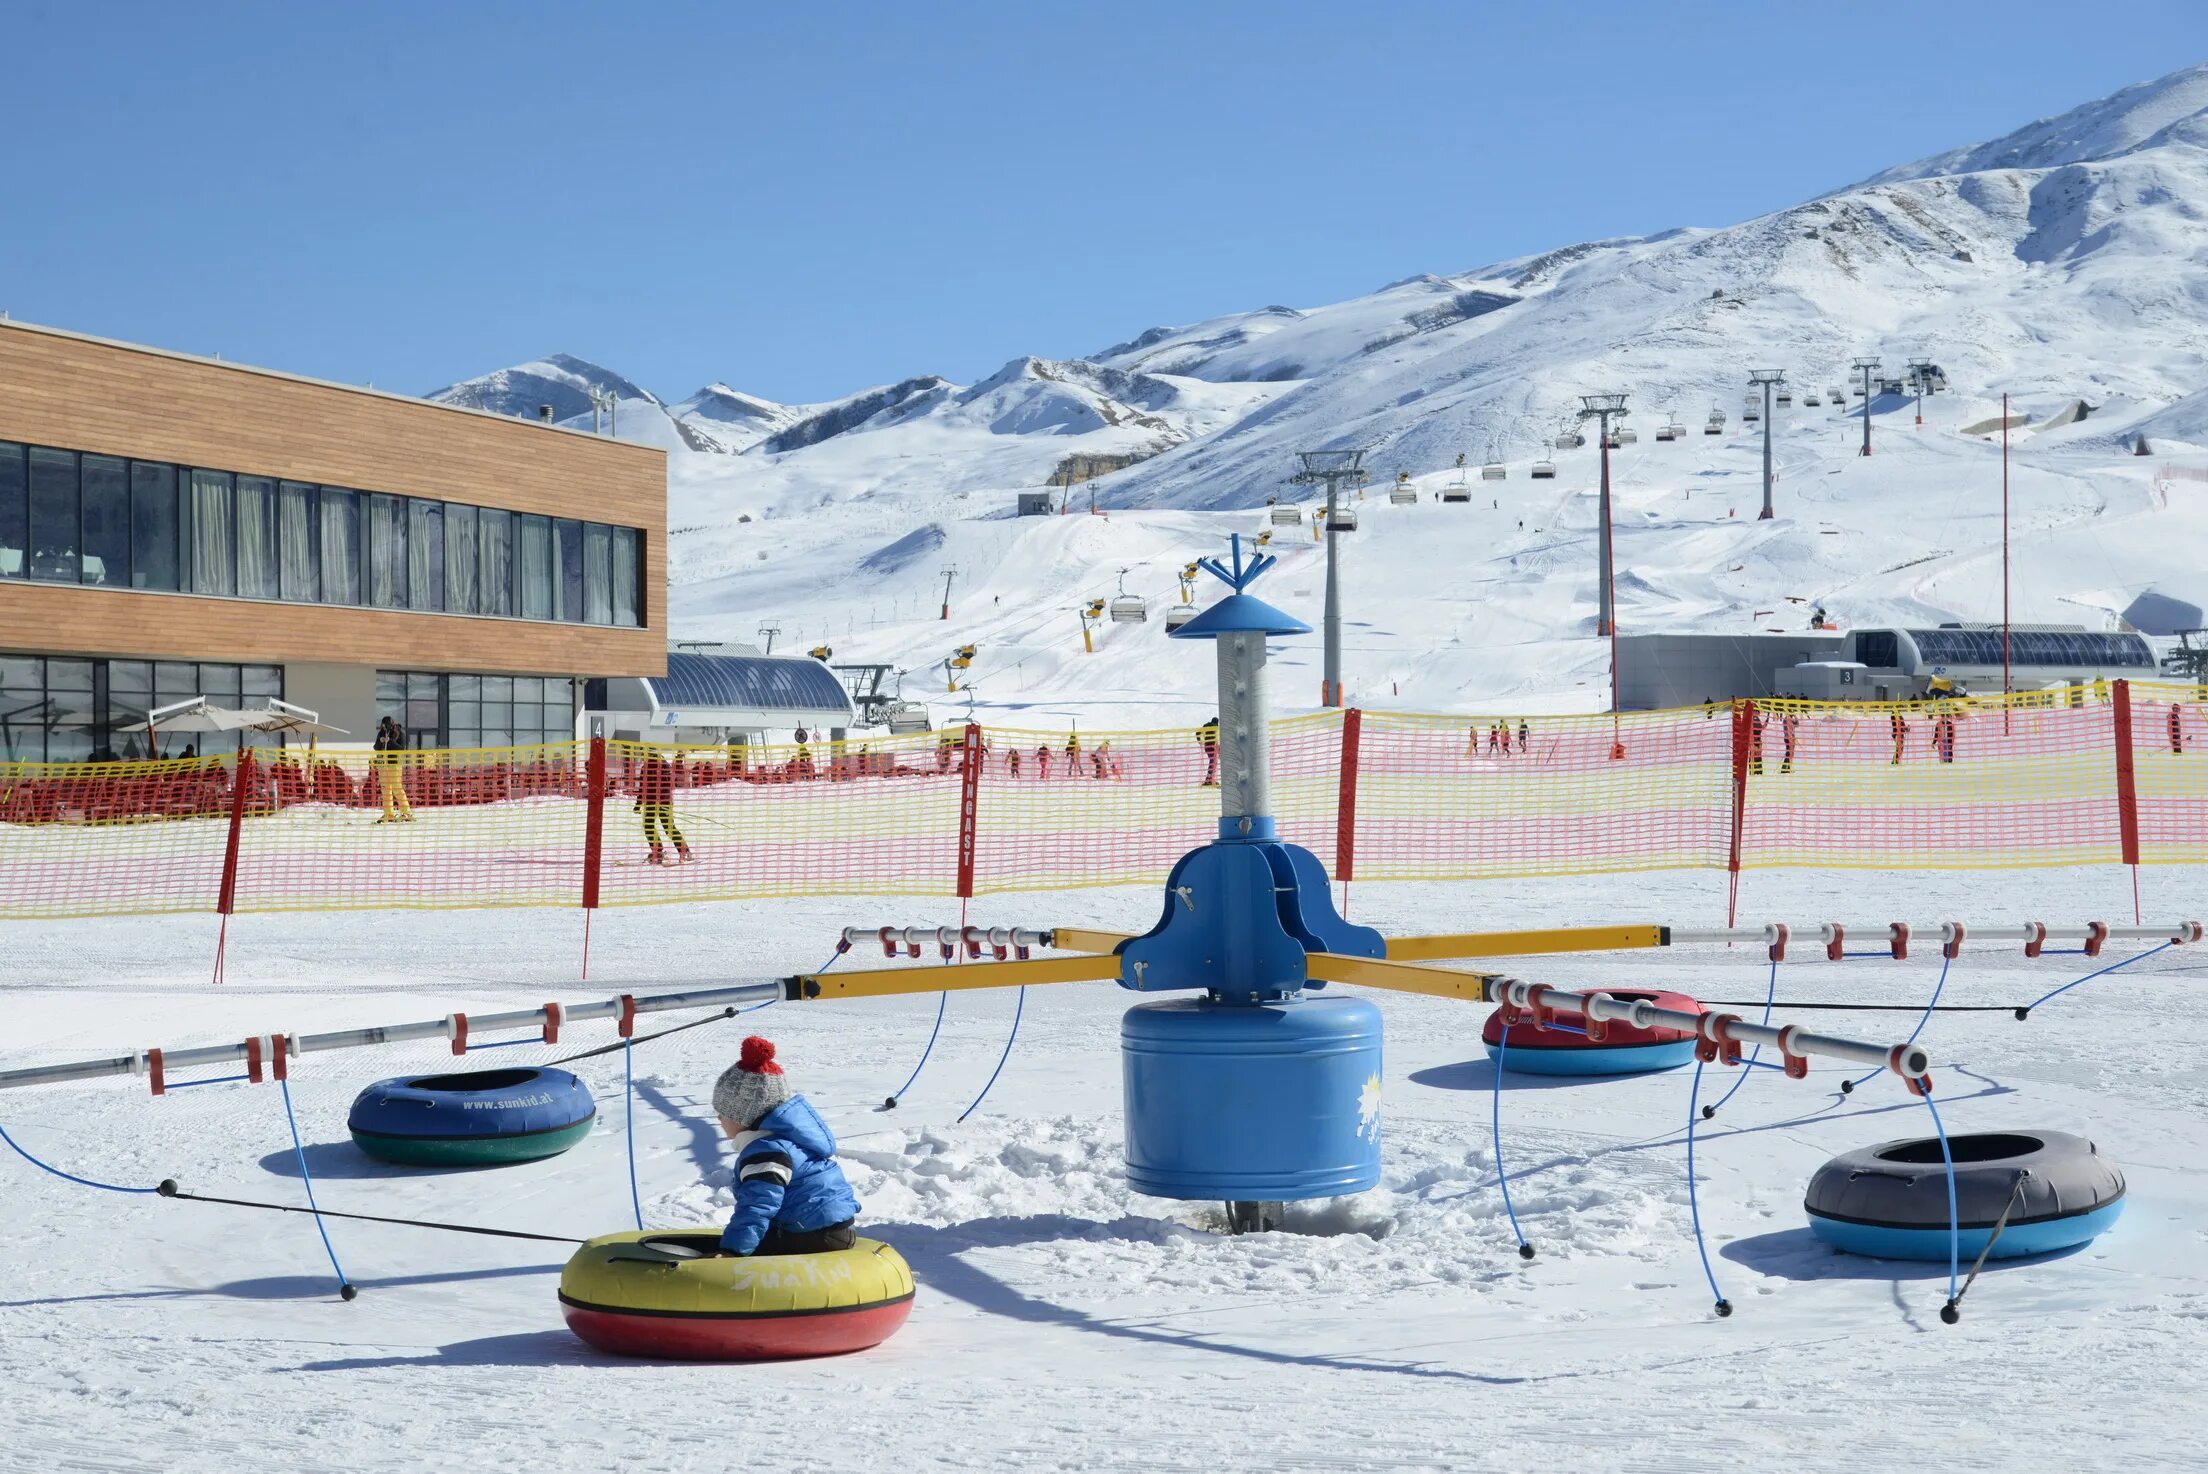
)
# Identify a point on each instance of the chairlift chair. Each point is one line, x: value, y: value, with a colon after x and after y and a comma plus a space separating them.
x: 1179, y: 615
x: 1677, y: 429
x: 1284, y: 515
x: 1494, y: 471
x: 1751, y: 409
x: 1344, y: 519
x: 1627, y: 435
x: 1569, y: 440
x: 1543, y: 471
x: 1456, y: 491
x: 1785, y: 395
x: 1129, y: 608
x: 1665, y: 432
x: 1810, y: 400
x: 1715, y: 425
x: 1403, y: 494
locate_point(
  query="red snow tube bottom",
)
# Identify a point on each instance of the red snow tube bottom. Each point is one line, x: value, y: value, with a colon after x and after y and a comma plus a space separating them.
x: 1523, y: 1035
x: 750, y: 1338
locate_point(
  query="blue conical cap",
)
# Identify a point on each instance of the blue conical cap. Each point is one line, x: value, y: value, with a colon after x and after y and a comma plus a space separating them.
x: 1240, y: 614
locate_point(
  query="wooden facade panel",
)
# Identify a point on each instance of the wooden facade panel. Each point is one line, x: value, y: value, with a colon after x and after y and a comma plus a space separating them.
x: 118, y: 399
x: 64, y: 619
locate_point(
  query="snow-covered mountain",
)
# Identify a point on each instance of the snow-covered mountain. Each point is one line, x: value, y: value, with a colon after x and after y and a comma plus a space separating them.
x: 2066, y: 262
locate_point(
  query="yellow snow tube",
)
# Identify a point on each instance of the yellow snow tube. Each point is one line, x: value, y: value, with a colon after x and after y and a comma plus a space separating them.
x: 669, y: 1294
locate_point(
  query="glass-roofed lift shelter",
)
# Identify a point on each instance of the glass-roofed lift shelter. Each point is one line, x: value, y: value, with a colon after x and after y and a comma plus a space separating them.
x: 733, y: 695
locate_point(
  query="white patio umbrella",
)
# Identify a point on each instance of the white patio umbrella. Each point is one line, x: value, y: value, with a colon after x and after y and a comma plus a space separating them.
x: 195, y: 715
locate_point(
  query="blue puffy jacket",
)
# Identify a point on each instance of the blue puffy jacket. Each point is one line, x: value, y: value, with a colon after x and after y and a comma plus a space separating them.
x: 787, y: 1178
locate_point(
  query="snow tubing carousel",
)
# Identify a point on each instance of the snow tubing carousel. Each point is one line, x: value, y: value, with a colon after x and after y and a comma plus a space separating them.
x: 674, y: 1295
x: 478, y: 1118
x: 1564, y: 1048
x: 1890, y: 1200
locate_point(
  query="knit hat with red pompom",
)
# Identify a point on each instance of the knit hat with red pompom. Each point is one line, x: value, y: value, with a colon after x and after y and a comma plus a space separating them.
x: 752, y: 1086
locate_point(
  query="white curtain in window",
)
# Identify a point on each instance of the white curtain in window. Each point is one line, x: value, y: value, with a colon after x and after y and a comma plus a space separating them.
x: 214, y: 566
x: 496, y: 594
x: 425, y: 555
x: 386, y: 552
x: 256, y: 537
x: 296, y: 543
x: 460, y: 559
x: 624, y: 576
x: 536, y: 568
x: 340, y: 546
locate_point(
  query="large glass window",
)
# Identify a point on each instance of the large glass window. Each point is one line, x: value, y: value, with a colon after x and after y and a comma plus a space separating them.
x: 257, y: 538
x: 597, y: 573
x: 15, y: 513
x: 81, y: 517
x: 154, y: 526
x: 54, y: 531
x: 106, y: 483
x: 536, y: 567
x: 626, y: 586
x: 63, y: 709
x: 213, y: 560
x: 461, y: 558
x: 298, y: 544
x: 386, y: 551
x: 340, y: 546
x: 567, y: 535
x: 425, y: 555
x: 494, y: 593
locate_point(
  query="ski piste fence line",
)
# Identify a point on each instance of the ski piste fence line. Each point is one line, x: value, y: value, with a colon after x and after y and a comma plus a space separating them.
x: 2116, y: 774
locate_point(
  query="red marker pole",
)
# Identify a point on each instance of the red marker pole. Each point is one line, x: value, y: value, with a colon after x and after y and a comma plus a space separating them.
x: 2006, y: 686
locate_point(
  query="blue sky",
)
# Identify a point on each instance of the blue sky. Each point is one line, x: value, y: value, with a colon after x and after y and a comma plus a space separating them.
x: 803, y: 200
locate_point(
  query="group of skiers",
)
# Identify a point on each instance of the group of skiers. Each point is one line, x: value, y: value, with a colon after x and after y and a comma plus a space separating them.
x: 1500, y: 739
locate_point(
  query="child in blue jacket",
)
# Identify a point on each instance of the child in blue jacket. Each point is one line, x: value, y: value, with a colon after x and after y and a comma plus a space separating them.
x: 791, y: 1197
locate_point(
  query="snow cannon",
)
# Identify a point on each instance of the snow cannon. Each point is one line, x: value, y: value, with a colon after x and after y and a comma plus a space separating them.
x: 1540, y: 1041
x: 475, y: 1118
x: 1256, y: 1093
x: 675, y: 1295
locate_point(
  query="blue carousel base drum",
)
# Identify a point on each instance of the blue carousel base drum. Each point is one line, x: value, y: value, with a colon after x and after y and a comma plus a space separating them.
x: 2047, y: 1190
x: 478, y: 1118
x: 1252, y: 1102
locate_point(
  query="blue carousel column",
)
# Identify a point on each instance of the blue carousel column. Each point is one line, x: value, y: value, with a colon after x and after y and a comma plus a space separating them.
x: 1253, y: 1094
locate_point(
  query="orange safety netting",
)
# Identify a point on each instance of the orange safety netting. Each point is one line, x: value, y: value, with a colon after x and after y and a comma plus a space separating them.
x: 2116, y: 772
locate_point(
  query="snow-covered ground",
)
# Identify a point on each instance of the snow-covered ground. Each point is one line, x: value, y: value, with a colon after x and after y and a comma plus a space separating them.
x: 1063, y: 1322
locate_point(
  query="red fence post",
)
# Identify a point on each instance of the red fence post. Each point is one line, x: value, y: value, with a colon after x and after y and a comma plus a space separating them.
x: 227, y: 898
x: 969, y: 793
x: 594, y: 821
x: 1744, y: 729
x: 2127, y: 783
x: 1345, y: 812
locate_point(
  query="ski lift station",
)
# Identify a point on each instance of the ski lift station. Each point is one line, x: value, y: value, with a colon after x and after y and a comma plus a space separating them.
x: 720, y: 694
x: 1887, y: 664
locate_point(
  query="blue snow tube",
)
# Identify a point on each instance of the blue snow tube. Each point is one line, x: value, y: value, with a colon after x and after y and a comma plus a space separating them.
x: 1890, y: 1201
x: 477, y: 1118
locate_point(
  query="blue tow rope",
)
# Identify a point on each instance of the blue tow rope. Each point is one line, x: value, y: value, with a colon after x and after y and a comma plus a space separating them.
x: 1018, y: 1008
x: 345, y: 1288
x: 68, y: 1176
x: 1495, y: 1126
x: 1769, y: 994
x: 1723, y: 1306
x: 2089, y: 977
x: 1847, y: 1087
x: 1950, y: 1312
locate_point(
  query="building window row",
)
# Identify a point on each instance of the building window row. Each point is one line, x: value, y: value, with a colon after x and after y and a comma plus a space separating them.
x: 448, y: 710
x: 63, y: 709
x: 76, y: 517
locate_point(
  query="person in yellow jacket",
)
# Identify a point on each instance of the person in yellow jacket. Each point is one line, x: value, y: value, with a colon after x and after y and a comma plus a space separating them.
x: 390, y: 762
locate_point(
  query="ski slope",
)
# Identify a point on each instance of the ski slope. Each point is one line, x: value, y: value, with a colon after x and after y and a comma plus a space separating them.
x: 1483, y: 607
